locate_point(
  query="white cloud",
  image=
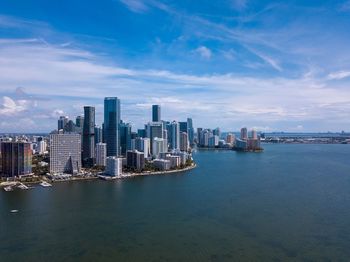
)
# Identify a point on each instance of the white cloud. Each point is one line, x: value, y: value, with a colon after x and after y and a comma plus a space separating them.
x: 11, y: 107
x: 204, y: 52
x: 137, y: 6
x: 338, y: 75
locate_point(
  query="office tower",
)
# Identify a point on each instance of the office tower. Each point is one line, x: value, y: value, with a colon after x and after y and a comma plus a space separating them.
x: 62, y: 121
x: 101, y: 154
x: 183, y: 126
x: 230, y: 138
x: 125, y: 137
x: 65, y: 153
x: 254, y: 134
x: 158, y: 147
x: 70, y: 127
x: 114, y: 166
x: 111, y: 125
x: 183, y: 141
x: 16, y: 159
x: 41, y: 147
x: 156, y: 113
x: 154, y: 129
x: 79, y: 122
x: 205, y: 135
x: 199, y: 134
x: 141, y: 132
x: 135, y: 160
x: 190, y: 131
x: 217, y: 132
x: 213, y: 141
x: 174, y: 136
x: 244, y: 133
x: 98, y: 135
x: 143, y: 145
x: 134, y: 135
x: 89, y: 136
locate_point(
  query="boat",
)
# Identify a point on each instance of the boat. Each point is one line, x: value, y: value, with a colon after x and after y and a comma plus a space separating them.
x: 8, y: 188
x: 45, y: 184
x: 14, y: 211
x: 107, y: 177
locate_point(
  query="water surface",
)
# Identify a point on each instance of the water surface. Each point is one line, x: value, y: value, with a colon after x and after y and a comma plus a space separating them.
x: 291, y: 202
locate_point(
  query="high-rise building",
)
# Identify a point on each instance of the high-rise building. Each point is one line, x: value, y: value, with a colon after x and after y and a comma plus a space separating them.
x: 41, y: 147
x: 98, y: 135
x: 143, y: 145
x: 111, y: 125
x: 154, y: 129
x: 70, y: 127
x: 199, y: 135
x: 230, y: 138
x: 156, y: 117
x: 190, y: 131
x: 125, y: 137
x: 65, y: 153
x: 183, y: 126
x: 244, y: 133
x: 79, y: 122
x: 158, y: 146
x: 114, y: 166
x: 101, y: 154
x: 135, y: 160
x: 213, y: 141
x: 183, y: 141
x: 254, y: 134
x: 174, y: 136
x: 89, y: 136
x: 62, y: 121
x: 16, y: 159
x: 141, y: 132
x: 217, y: 132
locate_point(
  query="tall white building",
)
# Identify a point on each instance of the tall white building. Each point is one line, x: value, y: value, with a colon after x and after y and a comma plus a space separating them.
x: 42, y: 147
x: 65, y: 153
x: 114, y: 166
x: 101, y: 154
x: 254, y: 134
x: 158, y: 146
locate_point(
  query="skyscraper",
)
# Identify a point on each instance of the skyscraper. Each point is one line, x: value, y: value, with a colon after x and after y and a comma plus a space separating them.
x: 190, y: 131
x: 174, y: 136
x: 111, y: 125
x: 98, y: 135
x: 101, y: 153
x: 135, y: 160
x: 16, y: 159
x: 244, y: 133
x: 89, y: 136
x: 62, y: 121
x: 125, y: 137
x: 65, y: 153
x: 199, y: 135
x: 183, y: 141
x: 79, y: 121
x: 154, y: 129
x: 156, y: 117
x: 183, y: 126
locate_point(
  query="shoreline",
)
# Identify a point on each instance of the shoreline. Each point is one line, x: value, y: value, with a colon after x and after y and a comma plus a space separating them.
x: 124, y: 176
x: 131, y: 175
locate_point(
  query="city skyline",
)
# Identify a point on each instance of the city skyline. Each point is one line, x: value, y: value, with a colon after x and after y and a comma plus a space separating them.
x: 273, y: 67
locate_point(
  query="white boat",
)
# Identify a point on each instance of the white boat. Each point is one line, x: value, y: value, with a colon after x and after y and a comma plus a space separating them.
x: 14, y: 211
x: 8, y: 188
x: 45, y: 184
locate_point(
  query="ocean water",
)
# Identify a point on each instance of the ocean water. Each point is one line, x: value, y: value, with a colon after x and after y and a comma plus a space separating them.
x: 291, y: 202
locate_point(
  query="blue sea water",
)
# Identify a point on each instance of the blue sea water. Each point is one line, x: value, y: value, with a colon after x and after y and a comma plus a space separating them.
x: 291, y: 202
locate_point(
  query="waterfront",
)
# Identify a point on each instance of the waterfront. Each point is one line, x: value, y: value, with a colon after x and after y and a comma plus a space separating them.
x: 291, y: 202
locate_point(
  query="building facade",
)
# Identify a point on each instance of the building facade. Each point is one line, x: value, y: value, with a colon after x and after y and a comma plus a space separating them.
x: 111, y: 125
x: 16, y: 159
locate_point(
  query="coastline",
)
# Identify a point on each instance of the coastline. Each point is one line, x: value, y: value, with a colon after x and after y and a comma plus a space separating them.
x: 131, y: 175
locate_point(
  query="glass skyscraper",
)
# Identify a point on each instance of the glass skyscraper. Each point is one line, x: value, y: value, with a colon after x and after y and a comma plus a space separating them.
x: 89, y: 136
x: 111, y: 125
x: 156, y: 113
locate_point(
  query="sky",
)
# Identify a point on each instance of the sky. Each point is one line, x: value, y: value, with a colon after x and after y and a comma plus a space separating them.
x: 272, y: 66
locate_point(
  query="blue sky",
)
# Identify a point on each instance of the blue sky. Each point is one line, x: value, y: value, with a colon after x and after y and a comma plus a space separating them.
x: 273, y: 66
